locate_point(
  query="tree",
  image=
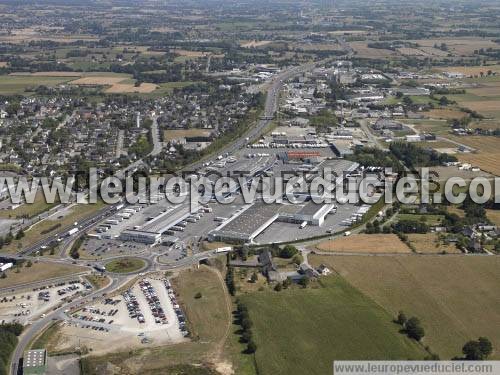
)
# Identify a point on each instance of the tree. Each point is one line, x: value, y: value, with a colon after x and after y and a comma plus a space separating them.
x: 485, y: 346
x: 304, y: 281
x: 401, y: 320
x: 251, y: 347
x: 29, y: 263
x: 198, y: 295
x: 472, y: 351
x: 246, y: 336
x: 414, y: 329
x: 246, y: 324
x: 254, y: 277
x: 477, y: 350
x: 3, y: 275
x: 278, y: 287
x: 19, y: 234
x: 288, y: 252
x: 287, y: 282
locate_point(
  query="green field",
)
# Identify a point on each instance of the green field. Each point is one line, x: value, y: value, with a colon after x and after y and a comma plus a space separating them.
x: 301, y: 331
x: 10, y: 85
x: 428, y: 219
x: 456, y: 297
x: 125, y: 265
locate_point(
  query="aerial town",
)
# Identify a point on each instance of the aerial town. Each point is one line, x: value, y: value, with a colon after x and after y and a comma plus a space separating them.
x: 241, y: 277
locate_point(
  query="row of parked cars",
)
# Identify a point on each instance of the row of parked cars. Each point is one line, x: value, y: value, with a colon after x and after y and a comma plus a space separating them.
x: 134, y: 311
x: 181, y: 318
x: 153, y: 301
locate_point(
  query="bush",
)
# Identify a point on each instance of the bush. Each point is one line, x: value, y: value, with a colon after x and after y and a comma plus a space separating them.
x: 414, y: 330
x: 288, y: 252
x: 198, y: 295
x: 251, y: 347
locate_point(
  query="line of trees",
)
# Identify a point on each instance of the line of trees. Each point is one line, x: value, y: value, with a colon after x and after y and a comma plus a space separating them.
x: 246, y: 327
x: 230, y: 280
x: 8, y: 342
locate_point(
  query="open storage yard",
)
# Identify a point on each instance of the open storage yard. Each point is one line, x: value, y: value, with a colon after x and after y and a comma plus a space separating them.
x: 455, y: 297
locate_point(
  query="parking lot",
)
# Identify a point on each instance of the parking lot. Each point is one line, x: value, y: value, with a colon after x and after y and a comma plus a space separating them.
x: 94, y: 248
x: 25, y: 306
x: 146, y: 313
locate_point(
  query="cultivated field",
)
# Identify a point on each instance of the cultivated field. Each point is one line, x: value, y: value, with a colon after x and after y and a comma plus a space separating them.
x: 494, y: 216
x: 362, y: 50
x: 487, y: 155
x: 98, y: 80
x: 365, y: 243
x: 182, y: 133
x: 455, y: 297
x: 301, y: 331
x: 254, y: 43
x: 459, y: 46
x: 445, y: 114
x: 187, y: 53
x: 429, y: 243
x: 38, y: 271
x: 124, y: 88
x: 471, y: 70
x: 10, y: 85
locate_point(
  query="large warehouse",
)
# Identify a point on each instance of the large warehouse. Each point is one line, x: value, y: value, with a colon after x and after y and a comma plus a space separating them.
x: 249, y: 223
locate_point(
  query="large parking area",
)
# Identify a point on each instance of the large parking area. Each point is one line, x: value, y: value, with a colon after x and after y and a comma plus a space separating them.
x: 25, y: 306
x: 95, y: 248
x: 146, y: 313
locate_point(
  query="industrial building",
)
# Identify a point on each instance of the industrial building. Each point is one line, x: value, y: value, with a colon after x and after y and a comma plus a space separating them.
x: 35, y: 362
x: 250, y: 222
x: 151, y: 232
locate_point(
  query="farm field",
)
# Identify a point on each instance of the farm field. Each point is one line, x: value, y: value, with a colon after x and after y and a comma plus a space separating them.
x: 429, y: 219
x: 365, y: 243
x: 456, y: 297
x: 362, y: 50
x: 181, y: 133
x: 38, y: 271
x: 458, y: 46
x: 208, y: 321
x: 446, y: 114
x: 429, y: 243
x: 301, y: 331
x: 11, y: 85
x: 124, y: 88
x: 254, y: 43
x: 494, y: 216
x: 487, y: 155
x: 471, y: 70
x: 437, y: 126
